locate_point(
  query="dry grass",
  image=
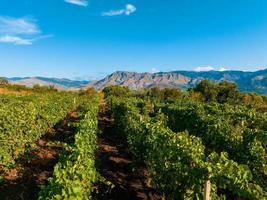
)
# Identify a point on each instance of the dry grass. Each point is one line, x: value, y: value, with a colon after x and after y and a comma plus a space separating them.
x: 7, y: 91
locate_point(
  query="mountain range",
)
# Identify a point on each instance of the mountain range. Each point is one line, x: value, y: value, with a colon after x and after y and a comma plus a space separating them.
x: 60, y: 83
x: 246, y: 81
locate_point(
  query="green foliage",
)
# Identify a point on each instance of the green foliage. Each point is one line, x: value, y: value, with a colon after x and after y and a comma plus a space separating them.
x: 24, y: 119
x: 165, y: 94
x: 256, y: 101
x: 174, y: 162
x: 75, y: 174
x: 118, y: 91
x: 177, y: 161
x: 221, y: 92
x: 16, y: 88
x: 238, y: 130
x: 182, y: 139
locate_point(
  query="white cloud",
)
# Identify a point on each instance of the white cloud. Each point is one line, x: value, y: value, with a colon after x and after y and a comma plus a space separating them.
x: 154, y: 70
x: 201, y: 69
x: 20, y: 31
x: 9, y: 25
x: 222, y: 69
x: 209, y: 68
x: 128, y: 10
x: 78, y: 2
x: 113, y: 13
x: 15, y: 40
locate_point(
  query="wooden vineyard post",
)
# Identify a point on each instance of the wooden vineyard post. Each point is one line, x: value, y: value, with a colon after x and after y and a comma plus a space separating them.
x: 207, y: 186
x: 207, y: 189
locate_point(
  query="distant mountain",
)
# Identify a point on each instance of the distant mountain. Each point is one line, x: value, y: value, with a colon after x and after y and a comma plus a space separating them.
x: 42, y: 81
x: 246, y: 81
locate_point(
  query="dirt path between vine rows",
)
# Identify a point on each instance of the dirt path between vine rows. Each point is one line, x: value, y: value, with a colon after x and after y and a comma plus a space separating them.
x: 34, y: 168
x: 116, y: 166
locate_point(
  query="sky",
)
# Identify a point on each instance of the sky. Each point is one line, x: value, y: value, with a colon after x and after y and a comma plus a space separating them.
x: 88, y: 39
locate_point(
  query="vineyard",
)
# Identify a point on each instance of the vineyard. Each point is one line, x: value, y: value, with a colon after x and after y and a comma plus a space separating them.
x: 152, y: 144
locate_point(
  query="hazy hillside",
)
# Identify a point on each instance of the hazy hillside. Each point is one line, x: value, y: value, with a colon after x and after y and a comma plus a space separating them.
x: 57, y: 82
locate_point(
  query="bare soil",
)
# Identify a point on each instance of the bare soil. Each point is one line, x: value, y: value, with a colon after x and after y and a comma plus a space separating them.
x: 115, y: 164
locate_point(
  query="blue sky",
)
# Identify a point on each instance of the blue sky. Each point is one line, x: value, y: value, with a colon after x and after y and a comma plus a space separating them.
x: 89, y: 39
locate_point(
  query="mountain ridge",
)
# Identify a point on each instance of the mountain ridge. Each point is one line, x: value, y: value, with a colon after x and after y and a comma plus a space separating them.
x: 247, y: 81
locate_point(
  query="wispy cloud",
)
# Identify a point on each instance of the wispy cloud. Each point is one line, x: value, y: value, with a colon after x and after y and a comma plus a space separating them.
x: 83, y: 3
x: 201, y: 69
x: 128, y: 10
x: 15, y: 40
x: 209, y: 68
x: 9, y: 25
x: 19, y: 31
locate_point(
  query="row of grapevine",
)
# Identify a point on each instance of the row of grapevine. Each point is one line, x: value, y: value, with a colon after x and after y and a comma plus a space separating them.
x: 178, y: 163
x: 25, y: 118
x: 75, y: 173
x: 239, y: 131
